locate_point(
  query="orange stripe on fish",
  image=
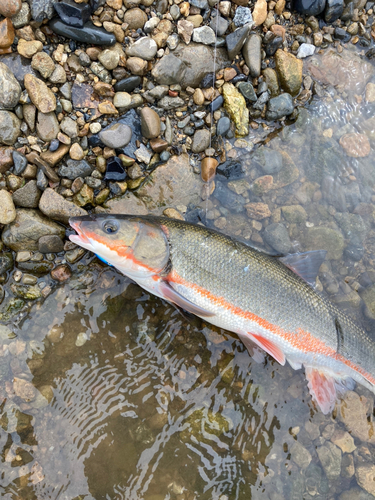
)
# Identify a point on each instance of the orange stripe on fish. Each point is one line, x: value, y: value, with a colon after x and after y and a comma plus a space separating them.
x: 302, y: 340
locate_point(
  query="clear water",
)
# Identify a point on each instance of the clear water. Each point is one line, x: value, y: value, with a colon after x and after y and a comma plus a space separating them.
x: 119, y: 396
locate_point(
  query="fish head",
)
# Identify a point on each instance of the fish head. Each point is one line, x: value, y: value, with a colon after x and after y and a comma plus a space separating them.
x: 137, y: 247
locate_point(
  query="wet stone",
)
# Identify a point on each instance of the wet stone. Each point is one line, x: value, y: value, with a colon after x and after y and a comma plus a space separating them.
x: 269, y: 160
x: 10, y: 89
x: 88, y: 34
x: 20, y: 162
x: 277, y: 237
x: 300, y: 455
x: 9, y: 127
x: 114, y: 170
x: 27, y: 196
x: 128, y: 84
x: 273, y: 45
x: 247, y: 90
x: 74, y: 169
x: 72, y: 13
x: 289, y: 70
x: 201, y: 141
x: 333, y: 10
x: 330, y: 458
x: 50, y: 244
x: 42, y: 9
x: 223, y: 125
x: 252, y: 54
x: 242, y: 16
x: 324, y: 238
x: 6, y: 262
x: 57, y: 207
x: 280, y: 106
x: 365, y: 475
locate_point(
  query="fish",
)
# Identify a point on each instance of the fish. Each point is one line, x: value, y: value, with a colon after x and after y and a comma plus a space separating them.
x: 261, y: 298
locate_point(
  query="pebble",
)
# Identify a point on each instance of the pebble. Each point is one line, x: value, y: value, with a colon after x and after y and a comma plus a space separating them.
x: 223, y: 126
x: 204, y: 35
x: 252, y: 54
x: 260, y: 12
x: 7, y: 209
x: 355, y: 145
x: 9, y: 127
x: 6, y: 33
x: 310, y: 7
x: 333, y: 10
x: 61, y: 273
x: 89, y: 34
x: 236, y: 40
x: 150, y: 123
x: 47, y: 126
x: 280, y: 106
x: 185, y: 30
x: 219, y: 25
x: 145, y: 48
x: 10, y: 89
x: 136, y: 66
x: 208, y: 168
x: 127, y: 84
x: 109, y: 58
x: 74, y: 169
x: 43, y: 63
x: 135, y: 18
x: 143, y: 154
x: 29, y: 48
x: 370, y: 92
x: 277, y: 237
x: 41, y: 96
x: 305, y: 50
x: 300, y: 455
x: 201, y: 141
x: 116, y: 136
x: 72, y: 13
x: 76, y: 152
x: 23, y: 17
x: 330, y: 458
x: 9, y: 8
x: 365, y: 475
x: 27, y: 196
x: 235, y: 105
x: 50, y: 244
x: 122, y: 100
x: 114, y: 170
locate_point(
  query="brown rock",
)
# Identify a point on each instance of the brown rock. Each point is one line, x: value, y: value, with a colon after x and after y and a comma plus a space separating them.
x: 208, y: 168
x: 258, y: 211
x: 150, y: 123
x: 243, y: 3
x: 28, y: 49
x: 278, y: 30
x: 8, y: 50
x: 53, y: 157
x: 158, y: 145
x: 6, y: 33
x: 56, y: 207
x: 104, y: 89
x: 172, y: 213
x: 43, y: 63
x: 229, y: 74
x: 135, y: 18
x: 289, y: 70
x: 136, y: 66
x: 365, y: 475
x: 6, y: 159
x: 29, y: 114
x: 26, y: 33
x: 198, y: 97
x: 76, y: 152
x: 107, y: 108
x: 185, y: 30
x: 260, y: 12
x: 355, y: 145
x: 40, y: 94
x: 61, y: 273
x: 262, y: 185
x: 9, y: 8
x: 47, y: 126
x: 34, y: 158
x: 353, y: 412
x: 279, y: 7
x: 115, y: 4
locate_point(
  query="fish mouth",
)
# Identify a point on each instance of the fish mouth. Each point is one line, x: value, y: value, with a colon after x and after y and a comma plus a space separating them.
x: 79, y: 239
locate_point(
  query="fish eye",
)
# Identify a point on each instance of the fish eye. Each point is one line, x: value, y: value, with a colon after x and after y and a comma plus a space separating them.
x: 110, y: 226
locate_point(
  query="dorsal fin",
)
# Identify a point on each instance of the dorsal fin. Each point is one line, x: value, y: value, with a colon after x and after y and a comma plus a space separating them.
x: 305, y: 264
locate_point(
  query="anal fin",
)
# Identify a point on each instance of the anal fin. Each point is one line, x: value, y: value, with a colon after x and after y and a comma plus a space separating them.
x: 168, y: 293
x: 269, y: 347
x: 326, y: 389
x: 253, y: 349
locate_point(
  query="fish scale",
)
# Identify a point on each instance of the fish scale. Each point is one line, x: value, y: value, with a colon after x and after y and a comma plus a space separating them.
x: 236, y: 287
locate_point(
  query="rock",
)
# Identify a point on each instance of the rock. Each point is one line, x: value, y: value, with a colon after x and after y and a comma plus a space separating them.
x: 9, y: 128
x: 365, y: 475
x: 122, y: 100
x: 355, y: 493
x: 76, y: 152
x: 69, y: 127
x: 305, y: 50
x: 41, y: 96
x: 150, y: 123
x: 143, y: 154
x: 47, y: 126
x: 252, y: 54
x: 300, y: 455
x: 235, y: 105
x: 247, y: 90
x: 136, y: 65
x: 50, y: 244
x: 58, y: 75
x: 294, y: 214
x: 135, y: 18
x: 28, y: 226
x: 185, y: 30
x: 42, y: 9
x: 223, y: 126
x: 260, y: 12
x: 289, y: 70
x: 333, y: 10
x: 116, y: 136
x: 324, y: 238
x: 169, y: 70
x: 355, y: 145
x: 344, y: 441
x: 7, y: 209
x: 353, y: 227
x: 6, y: 33
x: 205, y: 35
x: 56, y: 207
x: 330, y: 458
x: 171, y: 102
x: 269, y: 160
x: 114, y: 170
x: 277, y: 237
x: 43, y: 63
x: 208, y: 168
x: 23, y: 17
x: 235, y: 41
x: 10, y: 89
x: 9, y: 8
x: 72, y: 13
x: 201, y: 140
x: 257, y: 210
x: 353, y: 413
x: 54, y: 157
x: 74, y: 169
x: 20, y: 162
x: 61, y: 273
x: 145, y: 48
x: 127, y: 84
x: 27, y: 196
x: 24, y: 389
x: 219, y: 25
x: 109, y: 58
x: 273, y: 45
x: 29, y: 48
x: 370, y: 92
x: 89, y: 34
x: 310, y: 7
x: 279, y: 106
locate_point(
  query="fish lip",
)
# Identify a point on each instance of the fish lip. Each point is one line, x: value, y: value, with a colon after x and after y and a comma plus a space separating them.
x: 75, y: 222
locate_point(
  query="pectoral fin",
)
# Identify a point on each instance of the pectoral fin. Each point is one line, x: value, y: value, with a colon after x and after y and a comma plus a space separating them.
x: 255, y: 352
x: 170, y: 294
x: 268, y: 346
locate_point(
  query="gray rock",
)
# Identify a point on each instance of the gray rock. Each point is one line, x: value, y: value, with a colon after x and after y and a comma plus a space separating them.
x: 19, y: 66
x: 175, y: 12
x: 143, y: 154
x: 10, y: 89
x: 74, y: 169
x: 247, y: 90
x: 277, y: 237
x: 333, y: 10
x: 29, y: 225
x: 236, y: 40
x: 223, y: 125
x: 169, y: 70
x: 219, y: 25
x: 42, y: 9
x: 205, y: 35
x: 100, y: 71
x: 325, y: 238
x: 116, y: 136
x: 145, y: 48
x: 41, y: 180
x: 352, y: 226
x: 300, y: 455
x: 262, y: 100
x: 57, y: 207
x: 172, y: 41
x: 47, y: 126
x: 27, y: 196
x: 355, y: 493
x: 69, y: 127
x: 7, y: 209
x: 66, y: 90
x: 280, y: 106
x: 171, y: 102
x: 269, y: 160
x: 252, y: 54
x: 9, y: 128
x: 19, y: 162
x: 330, y: 458
x: 333, y: 192
x: 305, y: 50
x: 109, y: 58
x: 23, y: 17
x: 201, y: 141
x: 243, y: 16
x: 200, y: 4
x: 6, y: 264
x: 50, y: 244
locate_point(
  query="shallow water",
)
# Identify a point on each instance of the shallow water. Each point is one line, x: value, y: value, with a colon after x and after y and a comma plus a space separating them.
x: 119, y: 396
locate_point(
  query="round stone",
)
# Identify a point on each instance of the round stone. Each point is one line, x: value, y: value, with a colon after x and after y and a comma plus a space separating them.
x: 208, y: 168
x: 109, y: 58
x: 43, y: 63
x: 136, y: 66
x: 135, y: 18
x: 10, y: 89
x: 150, y: 123
x: 29, y: 48
x: 122, y: 100
x: 9, y: 8
x: 9, y: 127
x: 201, y: 141
x: 76, y: 152
x: 145, y: 48
x: 116, y: 136
x: 7, y: 209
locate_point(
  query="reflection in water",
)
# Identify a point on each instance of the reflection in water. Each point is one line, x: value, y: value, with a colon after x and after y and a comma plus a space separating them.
x: 109, y: 393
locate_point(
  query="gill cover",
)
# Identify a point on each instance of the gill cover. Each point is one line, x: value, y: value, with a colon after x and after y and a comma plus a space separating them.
x: 137, y: 248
